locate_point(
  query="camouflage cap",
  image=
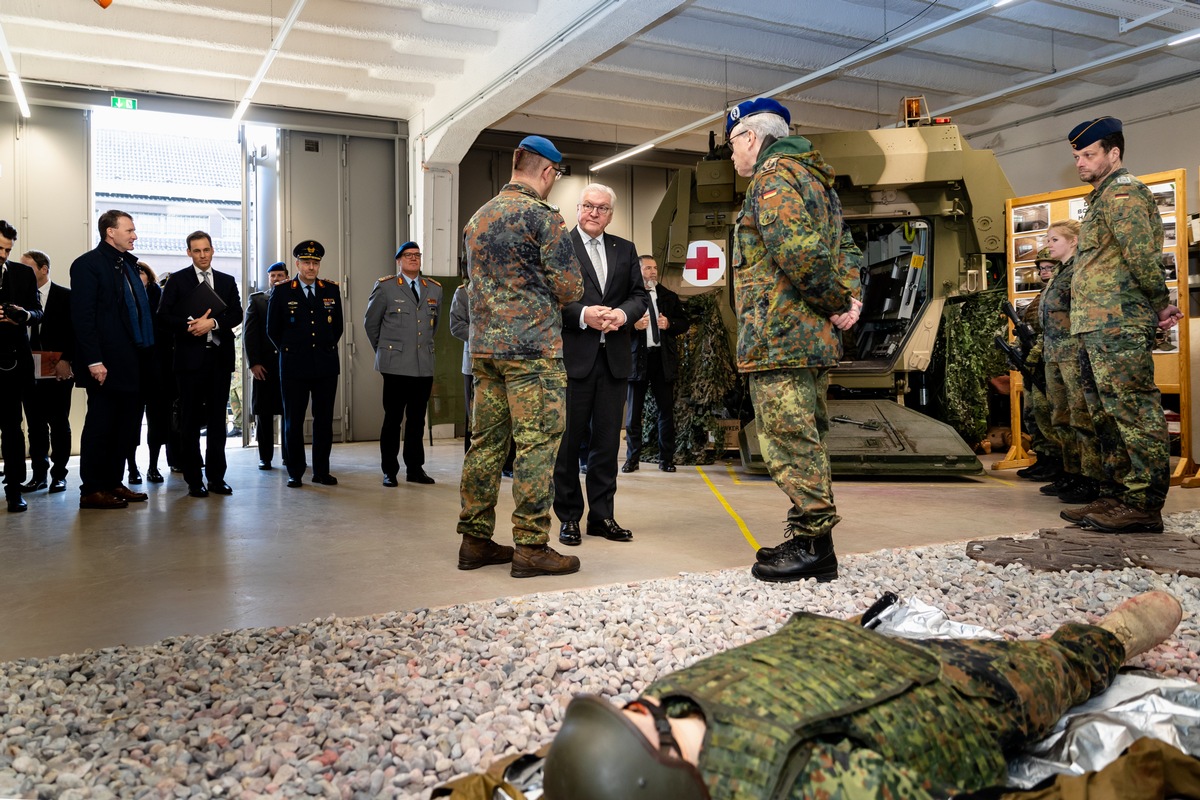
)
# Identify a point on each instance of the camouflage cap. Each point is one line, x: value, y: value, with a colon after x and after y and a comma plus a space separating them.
x: 1044, y: 258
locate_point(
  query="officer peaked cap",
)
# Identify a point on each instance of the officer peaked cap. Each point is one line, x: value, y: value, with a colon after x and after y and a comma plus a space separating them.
x: 759, y: 105
x: 309, y: 249
x: 542, y: 146
x: 407, y: 246
x: 278, y: 266
x: 1093, y: 130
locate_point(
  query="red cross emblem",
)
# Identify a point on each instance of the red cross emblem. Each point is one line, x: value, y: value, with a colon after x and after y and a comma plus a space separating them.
x: 705, y: 265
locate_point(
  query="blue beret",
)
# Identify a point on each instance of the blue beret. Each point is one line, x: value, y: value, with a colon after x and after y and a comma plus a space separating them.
x: 542, y: 146
x: 759, y: 105
x: 309, y: 249
x: 407, y: 246
x: 1093, y: 130
x: 278, y: 266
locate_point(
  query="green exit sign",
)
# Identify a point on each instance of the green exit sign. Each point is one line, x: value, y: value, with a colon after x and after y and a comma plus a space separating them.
x: 128, y: 103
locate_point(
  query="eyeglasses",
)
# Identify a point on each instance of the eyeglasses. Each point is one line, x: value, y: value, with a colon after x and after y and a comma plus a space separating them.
x: 599, y: 209
x: 411, y: 255
x: 559, y: 171
x: 736, y: 135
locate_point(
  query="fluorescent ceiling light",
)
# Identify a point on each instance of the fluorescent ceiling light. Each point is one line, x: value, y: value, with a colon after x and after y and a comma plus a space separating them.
x: 1185, y: 38
x: 608, y: 162
x: 13, y: 78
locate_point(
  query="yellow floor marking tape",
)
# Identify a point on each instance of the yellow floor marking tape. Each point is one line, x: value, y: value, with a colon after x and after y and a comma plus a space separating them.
x: 729, y: 509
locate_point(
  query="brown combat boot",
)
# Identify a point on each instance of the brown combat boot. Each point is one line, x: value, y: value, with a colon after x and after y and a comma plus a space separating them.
x: 476, y: 552
x: 1124, y: 519
x: 1143, y: 622
x: 540, y: 559
x: 1076, y: 515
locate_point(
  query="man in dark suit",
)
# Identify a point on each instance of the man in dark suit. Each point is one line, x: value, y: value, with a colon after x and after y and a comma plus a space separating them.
x: 304, y: 321
x: 19, y: 308
x: 204, y: 356
x: 266, y: 399
x: 48, y: 402
x: 596, y: 354
x: 114, y: 331
x: 655, y: 359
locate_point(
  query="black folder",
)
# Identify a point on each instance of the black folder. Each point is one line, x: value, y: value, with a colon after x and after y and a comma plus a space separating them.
x: 202, y: 299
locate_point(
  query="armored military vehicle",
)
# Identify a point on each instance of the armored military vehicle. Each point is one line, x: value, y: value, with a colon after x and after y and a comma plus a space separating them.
x: 928, y: 214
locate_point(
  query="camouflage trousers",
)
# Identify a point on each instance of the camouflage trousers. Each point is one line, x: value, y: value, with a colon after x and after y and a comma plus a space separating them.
x: 793, y: 419
x: 1007, y: 693
x: 1035, y: 419
x: 523, y: 401
x: 1070, y: 422
x: 1116, y: 372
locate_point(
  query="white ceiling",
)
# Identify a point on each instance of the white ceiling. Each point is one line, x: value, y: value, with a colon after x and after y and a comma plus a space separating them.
x: 617, y: 72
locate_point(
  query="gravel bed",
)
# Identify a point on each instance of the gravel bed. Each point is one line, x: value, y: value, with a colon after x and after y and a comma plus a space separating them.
x: 394, y: 704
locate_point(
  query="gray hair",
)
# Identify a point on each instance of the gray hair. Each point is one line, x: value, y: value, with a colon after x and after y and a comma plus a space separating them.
x: 599, y: 187
x: 765, y: 125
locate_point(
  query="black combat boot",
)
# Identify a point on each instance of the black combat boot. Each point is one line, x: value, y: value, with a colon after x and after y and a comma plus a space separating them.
x: 799, y: 558
x: 1046, y: 468
x: 1082, y: 490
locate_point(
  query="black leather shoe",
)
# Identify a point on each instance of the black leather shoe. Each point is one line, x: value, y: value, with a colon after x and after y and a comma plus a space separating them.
x: 568, y: 534
x: 294, y: 483
x: 630, y: 466
x: 59, y: 485
x: 507, y: 473
x: 16, y: 504
x: 135, y: 477
x: 609, y: 529
x: 35, y: 485
x: 264, y: 465
x: 800, y: 558
x: 153, y: 475
x: 220, y: 488
x: 325, y: 480
x: 197, y: 491
x: 667, y: 466
x: 418, y: 476
x: 390, y: 481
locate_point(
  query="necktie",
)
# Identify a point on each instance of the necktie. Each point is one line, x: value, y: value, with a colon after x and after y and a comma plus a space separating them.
x: 593, y: 247
x: 207, y: 278
x: 655, y: 335
x: 413, y: 285
x: 207, y: 275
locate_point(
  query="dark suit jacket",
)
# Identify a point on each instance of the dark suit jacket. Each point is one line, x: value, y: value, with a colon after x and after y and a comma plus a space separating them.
x: 19, y: 289
x: 306, y: 333
x: 261, y: 351
x: 670, y: 306
x: 103, y: 331
x: 189, y: 349
x: 624, y: 291
x: 55, y: 332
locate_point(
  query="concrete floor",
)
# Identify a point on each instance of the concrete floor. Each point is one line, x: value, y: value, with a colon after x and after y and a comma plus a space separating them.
x: 270, y: 556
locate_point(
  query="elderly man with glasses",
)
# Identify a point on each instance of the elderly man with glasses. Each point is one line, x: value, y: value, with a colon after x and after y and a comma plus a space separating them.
x: 401, y: 321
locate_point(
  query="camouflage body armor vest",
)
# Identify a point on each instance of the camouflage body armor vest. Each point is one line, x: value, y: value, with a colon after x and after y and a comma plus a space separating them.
x: 766, y: 702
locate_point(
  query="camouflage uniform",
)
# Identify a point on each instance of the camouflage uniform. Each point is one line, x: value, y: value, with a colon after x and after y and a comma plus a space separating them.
x: 1070, y: 422
x: 794, y: 266
x: 1116, y: 293
x: 825, y: 709
x: 523, y: 270
x: 1035, y: 416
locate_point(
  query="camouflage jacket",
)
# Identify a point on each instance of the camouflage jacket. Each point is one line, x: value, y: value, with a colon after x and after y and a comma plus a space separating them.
x: 1118, y: 280
x: 1055, y: 314
x: 523, y: 270
x: 794, y: 263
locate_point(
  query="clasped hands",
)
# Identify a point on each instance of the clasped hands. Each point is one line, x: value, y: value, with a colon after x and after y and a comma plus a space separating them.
x: 644, y: 322
x: 603, y: 318
x: 201, y: 325
x: 845, y: 321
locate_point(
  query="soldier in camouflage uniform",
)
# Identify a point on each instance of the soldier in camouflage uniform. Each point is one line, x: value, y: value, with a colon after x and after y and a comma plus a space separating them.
x: 1070, y: 423
x: 1035, y: 415
x: 523, y: 270
x: 795, y: 277
x: 826, y: 709
x: 1118, y: 298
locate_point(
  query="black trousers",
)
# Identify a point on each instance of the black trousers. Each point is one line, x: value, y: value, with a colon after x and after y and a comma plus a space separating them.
x: 407, y: 397
x: 14, y: 384
x: 664, y: 397
x: 48, y: 420
x: 112, y: 418
x: 596, y: 400
x: 296, y: 394
x: 203, y: 399
x: 264, y: 435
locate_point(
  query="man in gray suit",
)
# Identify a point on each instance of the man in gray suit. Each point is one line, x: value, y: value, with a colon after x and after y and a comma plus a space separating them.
x: 401, y: 320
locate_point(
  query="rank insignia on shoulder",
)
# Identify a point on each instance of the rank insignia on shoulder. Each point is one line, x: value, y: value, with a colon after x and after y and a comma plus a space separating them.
x: 385, y: 278
x: 769, y: 165
x: 331, y: 283
x: 1124, y: 179
x: 431, y: 280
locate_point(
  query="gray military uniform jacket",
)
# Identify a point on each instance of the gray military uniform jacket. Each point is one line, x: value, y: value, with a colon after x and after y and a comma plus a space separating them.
x: 400, y: 328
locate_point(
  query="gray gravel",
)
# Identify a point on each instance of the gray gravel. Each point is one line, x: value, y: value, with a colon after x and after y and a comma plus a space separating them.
x: 394, y: 704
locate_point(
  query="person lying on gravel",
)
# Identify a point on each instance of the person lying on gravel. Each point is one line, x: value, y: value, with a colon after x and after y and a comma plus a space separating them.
x: 824, y: 708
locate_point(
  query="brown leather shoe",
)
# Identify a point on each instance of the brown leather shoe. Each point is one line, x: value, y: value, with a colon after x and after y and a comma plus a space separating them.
x: 539, y: 559
x: 102, y: 500
x: 476, y: 552
x: 125, y: 493
x: 1124, y: 519
x: 1076, y: 515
